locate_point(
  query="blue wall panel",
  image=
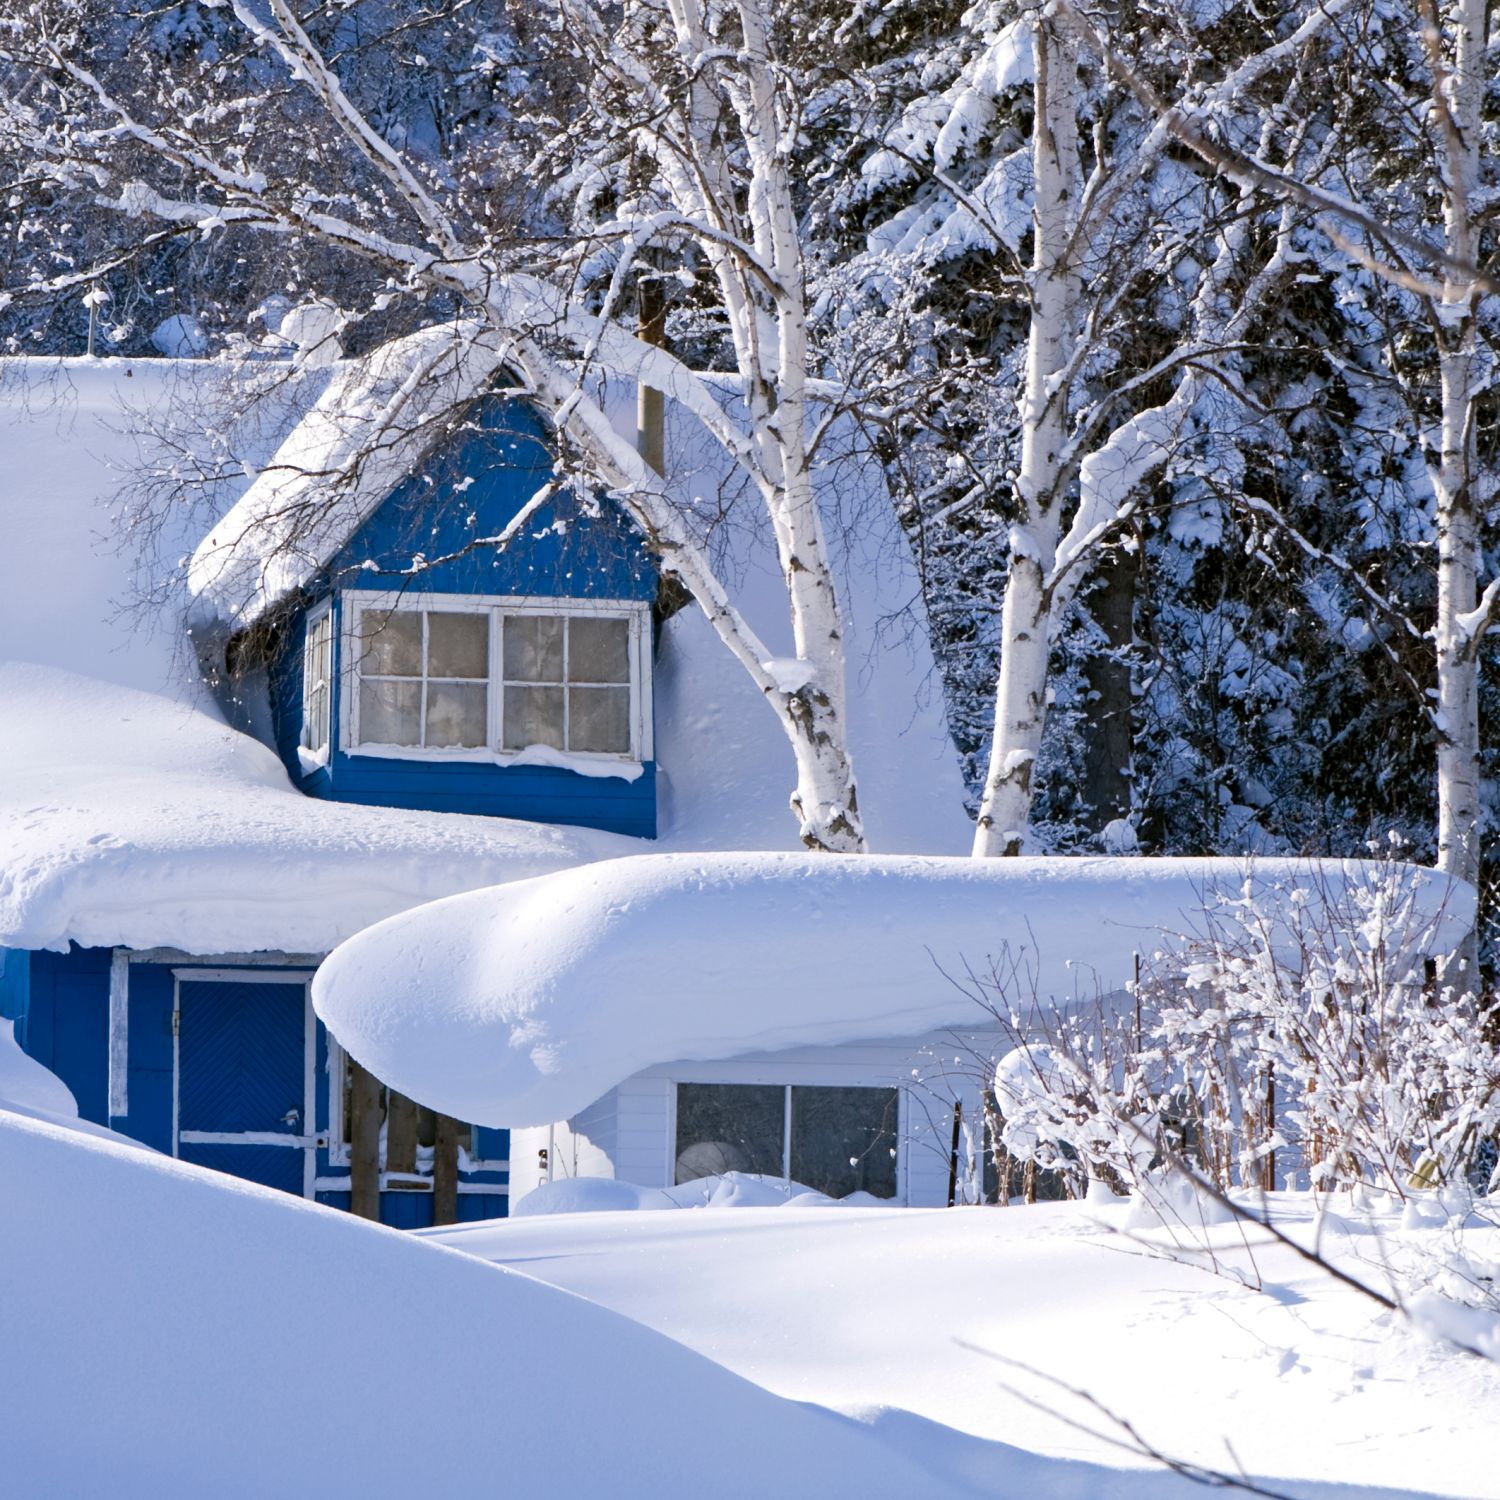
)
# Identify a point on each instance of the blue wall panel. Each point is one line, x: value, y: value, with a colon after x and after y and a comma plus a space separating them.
x: 66, y: 1027
x: 468, y: 490
x: 15, y: 987
x: 150, y: 1073
x: 67, y: 1023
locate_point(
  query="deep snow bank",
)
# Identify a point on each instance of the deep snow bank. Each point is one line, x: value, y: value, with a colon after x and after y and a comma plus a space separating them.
x: 128, y: 819
x: 996, y: 1322
x: 170, y: 1331
x: 521, y: 1005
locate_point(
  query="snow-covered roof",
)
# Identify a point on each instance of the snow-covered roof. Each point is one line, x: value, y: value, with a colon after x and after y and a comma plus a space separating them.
x: 70, y: 432
x: 141, y: 820
x: 523, y: 1005
x: 127, y: 819
x: 367, y: 432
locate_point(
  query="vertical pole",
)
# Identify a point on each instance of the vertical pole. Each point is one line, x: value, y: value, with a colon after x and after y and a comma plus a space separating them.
x: 364, y: 1142
x: 400, y: 1133
x: 650, y: 406
x: 1268, y: 1162
x: 958, y: 1121
x: 445, y: 1172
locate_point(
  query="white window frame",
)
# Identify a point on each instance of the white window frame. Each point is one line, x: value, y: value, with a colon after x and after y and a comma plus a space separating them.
x: 637, y: 613
x: 317, y: 755
x: 756, y: 1079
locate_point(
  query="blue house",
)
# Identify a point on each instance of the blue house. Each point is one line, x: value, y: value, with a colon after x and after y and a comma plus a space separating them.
x: 413, y: 662
x: 440, y: 671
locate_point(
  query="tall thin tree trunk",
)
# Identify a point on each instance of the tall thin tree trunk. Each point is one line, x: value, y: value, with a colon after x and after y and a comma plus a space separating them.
x: 1459, y: 97
x: 1109, y: 752
x: 1025, y: 640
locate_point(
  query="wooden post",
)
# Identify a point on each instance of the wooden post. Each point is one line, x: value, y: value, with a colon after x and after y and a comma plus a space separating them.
x: 958, y: 1120
x: 445, y: 1172
x: 650, y: 407
x: 400, y: 1134
x: 364, y: 1142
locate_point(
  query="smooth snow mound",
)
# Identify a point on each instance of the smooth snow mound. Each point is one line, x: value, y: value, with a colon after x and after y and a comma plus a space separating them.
x: 588, y: 1195
x: 26, y: 1086
x: 129, y: 820
x: 171, y: 1331
x: 522, y: 1005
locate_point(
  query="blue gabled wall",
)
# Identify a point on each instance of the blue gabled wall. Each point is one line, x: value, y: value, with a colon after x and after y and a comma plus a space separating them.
x: 470, y: 488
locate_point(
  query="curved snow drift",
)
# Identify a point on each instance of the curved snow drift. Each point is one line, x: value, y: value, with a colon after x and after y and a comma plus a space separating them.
x: 173, y: 1331
x: 522, y: 1005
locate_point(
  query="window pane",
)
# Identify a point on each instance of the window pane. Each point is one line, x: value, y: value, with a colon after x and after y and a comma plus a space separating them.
x: 533, y: 648
x: 844, y: 1140
x: 317, y: 718
x: 598, y: 649
x: 533, y: 716
x: 457, y: 713
x: 729, y: 1127
x: 391, y: 643
x: 389, y: 713
x: 458, y: 645
x: 599, y: 719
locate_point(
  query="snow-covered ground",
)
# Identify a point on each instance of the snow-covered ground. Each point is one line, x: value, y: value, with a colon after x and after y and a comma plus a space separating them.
x: 168, y: 1331
x: 967, y: 1317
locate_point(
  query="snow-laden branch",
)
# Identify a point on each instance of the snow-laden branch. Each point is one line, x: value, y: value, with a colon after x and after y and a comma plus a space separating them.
x: 1184, y: 122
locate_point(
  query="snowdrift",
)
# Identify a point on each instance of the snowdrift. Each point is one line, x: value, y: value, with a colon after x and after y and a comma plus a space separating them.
x: 169, y: 1331
x: 128, y: 819
x: 521, y: 1005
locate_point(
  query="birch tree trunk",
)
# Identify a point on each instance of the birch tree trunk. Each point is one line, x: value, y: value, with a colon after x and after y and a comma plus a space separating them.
x: 1458, y: 92
x: 1021, y: 694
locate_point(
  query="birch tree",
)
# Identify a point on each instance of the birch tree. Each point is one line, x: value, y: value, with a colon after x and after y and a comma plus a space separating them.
x: 691, y: 143
x: 1115, y: 223
x: 1419, y: 137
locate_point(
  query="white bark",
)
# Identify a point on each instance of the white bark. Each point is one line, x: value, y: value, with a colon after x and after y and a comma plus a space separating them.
x: 1458, y: 98
x: 1047, y: 567
x: 1056, y: 296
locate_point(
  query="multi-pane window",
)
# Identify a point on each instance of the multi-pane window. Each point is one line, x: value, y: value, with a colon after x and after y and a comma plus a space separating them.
x: 317, y: 683
x: 496, y: 678
x: 423, y: 678
x: 567, y: 682
x: 837, y: 1140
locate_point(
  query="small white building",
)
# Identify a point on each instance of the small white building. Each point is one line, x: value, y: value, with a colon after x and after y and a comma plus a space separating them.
x: 661, y: 1018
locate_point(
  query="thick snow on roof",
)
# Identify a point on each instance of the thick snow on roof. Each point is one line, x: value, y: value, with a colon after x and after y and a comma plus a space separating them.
x: 172, y: 1331
x: 127, y: 819
x: 726, y: 768
x: 364, y: 435
x: 131, y: 820
x: 522, y: 1005
x: 69, y: 432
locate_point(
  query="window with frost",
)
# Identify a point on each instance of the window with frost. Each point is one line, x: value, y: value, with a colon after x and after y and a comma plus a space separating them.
x: 837, y: 1140
x: 480, y: 678
x: 317, y: 684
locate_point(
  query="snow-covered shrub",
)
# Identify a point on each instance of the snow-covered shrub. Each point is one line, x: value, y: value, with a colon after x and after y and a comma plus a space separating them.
x: 1325, y: 1048
x: 1310, y: 1048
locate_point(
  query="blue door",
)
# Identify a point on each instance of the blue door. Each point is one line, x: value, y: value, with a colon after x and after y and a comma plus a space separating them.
x: 242, y: 1079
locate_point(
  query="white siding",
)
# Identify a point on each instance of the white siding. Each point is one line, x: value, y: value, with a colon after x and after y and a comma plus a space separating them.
x: 630, y: 1132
